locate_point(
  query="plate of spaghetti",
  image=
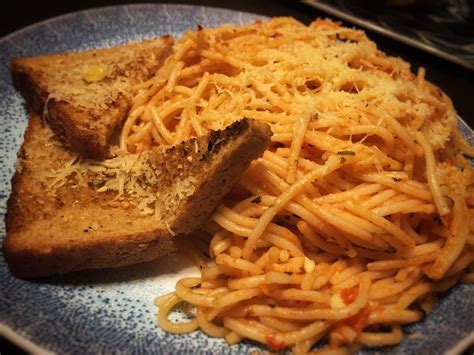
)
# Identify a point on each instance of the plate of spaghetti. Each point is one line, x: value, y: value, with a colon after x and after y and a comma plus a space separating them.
x: 353, y: 232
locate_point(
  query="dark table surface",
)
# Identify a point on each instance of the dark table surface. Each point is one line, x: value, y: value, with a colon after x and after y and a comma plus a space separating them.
x: 454, y: 80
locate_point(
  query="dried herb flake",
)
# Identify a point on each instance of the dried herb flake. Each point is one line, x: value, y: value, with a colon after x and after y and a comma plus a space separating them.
x: 346, y: 152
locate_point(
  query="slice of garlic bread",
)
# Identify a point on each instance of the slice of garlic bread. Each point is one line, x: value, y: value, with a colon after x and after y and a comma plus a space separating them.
x: 85, y: 96
x: 66, y: 213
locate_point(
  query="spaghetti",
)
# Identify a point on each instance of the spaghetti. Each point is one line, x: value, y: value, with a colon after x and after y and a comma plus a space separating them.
x: 355, y: 217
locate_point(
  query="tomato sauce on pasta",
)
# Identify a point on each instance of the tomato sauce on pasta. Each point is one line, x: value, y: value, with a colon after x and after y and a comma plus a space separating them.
x: 353, y: 220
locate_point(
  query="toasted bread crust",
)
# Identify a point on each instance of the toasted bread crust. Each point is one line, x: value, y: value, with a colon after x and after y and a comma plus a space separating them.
x: 65, y: 120
x: 54, y: 85
x: 29, y: 86
x: 78, y: 228
x: 249, y: 140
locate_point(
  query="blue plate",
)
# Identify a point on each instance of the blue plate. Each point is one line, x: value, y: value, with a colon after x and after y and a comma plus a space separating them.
x: 109, y: 311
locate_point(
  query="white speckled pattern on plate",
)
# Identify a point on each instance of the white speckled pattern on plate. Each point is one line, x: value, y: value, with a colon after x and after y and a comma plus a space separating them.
x: 111, y: 311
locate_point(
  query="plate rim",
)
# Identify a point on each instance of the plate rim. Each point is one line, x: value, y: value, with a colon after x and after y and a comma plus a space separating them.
x: 21, y: 341
x: 26, y: 28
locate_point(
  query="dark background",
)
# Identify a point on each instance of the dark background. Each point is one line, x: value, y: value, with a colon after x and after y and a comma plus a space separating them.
x: 454, y: 80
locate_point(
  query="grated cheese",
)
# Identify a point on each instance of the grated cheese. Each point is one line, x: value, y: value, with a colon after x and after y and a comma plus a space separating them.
x: 280, y: 68
x: 129, y: 176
